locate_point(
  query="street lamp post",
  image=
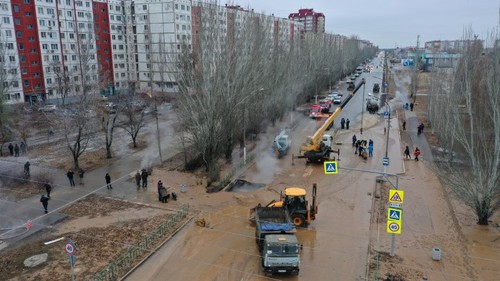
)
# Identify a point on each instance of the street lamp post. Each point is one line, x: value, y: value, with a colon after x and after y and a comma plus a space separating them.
x: 387, y: 136
x: 362, y: 110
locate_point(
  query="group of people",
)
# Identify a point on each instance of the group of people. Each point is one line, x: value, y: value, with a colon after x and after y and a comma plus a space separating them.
x: 406, y: 106
x: 16, y: 150
x: 163, y: 194
x: 420, y: 129
x: 70, y: 174
x: 362, y: 146
x: 416, y: 153
x: 141, y: 176
x: 344, y: 124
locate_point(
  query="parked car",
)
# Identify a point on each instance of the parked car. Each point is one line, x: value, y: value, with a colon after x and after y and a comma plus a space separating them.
x: 337, y: 100
x: 353, y: 78
x: 48, y: 108
x: 350, y: 86
x: 376, y: 88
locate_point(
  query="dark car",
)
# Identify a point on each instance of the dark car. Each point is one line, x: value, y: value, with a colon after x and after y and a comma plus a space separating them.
x: 350, y: 86
x: 376, y: 88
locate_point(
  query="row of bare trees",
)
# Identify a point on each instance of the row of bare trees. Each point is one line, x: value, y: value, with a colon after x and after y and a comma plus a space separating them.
x: 232, y: 84
x: 464, y: 108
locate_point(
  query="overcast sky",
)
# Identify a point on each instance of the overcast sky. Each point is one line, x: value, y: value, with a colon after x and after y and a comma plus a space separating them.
x: 390, y: 23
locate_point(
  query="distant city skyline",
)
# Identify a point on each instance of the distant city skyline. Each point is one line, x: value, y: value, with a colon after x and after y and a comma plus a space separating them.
x: 389, y: 23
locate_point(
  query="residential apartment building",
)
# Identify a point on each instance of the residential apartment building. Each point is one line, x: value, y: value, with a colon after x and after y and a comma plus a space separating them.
x: 63, y: 47
x: 313, y: 22
x: 11, y: 87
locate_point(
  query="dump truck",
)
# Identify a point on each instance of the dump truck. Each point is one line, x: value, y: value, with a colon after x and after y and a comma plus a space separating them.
x: 275, y: 236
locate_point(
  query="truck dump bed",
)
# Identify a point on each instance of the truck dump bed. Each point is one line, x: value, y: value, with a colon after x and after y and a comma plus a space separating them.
x: 272, y: 219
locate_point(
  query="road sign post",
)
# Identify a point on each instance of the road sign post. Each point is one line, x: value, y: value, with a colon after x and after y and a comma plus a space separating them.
x: 385, y: 161
x: 71, y: 250
x: 394, y: 215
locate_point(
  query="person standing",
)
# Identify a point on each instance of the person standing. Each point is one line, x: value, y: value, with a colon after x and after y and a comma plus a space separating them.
x: 108, y: 181
x: 45, y: 202
x: 417, y: 153
x: 27, y: 168
x: 138, y: 179
x: 144, y: 177
x: 23, y: 148
x: 370, y: 150
x: 411, y: 106
x: 48, y: 188
x: 404, y: 125
x: 70, y: 174
x: 16, y: 150
x: 347, y: 123
x: 80, y: 175
x: 11, y: 149
x: 342, y: 123
x: 160, y: 185
x: 354, y: 139
x: 407, y: 152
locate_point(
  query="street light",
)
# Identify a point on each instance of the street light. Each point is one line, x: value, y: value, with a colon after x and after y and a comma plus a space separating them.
x: 362, y: 110
x: 387, y: 136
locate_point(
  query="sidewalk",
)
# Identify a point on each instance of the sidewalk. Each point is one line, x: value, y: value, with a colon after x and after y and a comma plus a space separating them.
x: 14, y: 215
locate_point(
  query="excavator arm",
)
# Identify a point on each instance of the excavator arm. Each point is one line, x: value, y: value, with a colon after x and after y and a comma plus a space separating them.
x: 313, y: 142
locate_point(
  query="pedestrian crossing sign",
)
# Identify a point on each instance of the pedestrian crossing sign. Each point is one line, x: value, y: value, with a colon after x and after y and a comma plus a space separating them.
x: 396, y: 196
x: 331, y: 167
x: 394, y: 214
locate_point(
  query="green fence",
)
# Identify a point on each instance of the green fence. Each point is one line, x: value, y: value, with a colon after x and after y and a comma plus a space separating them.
x: 113, y: 270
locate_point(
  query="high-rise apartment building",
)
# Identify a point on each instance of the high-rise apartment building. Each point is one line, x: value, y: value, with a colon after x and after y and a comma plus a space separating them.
x: 56, y: 48
x: 313, y: 22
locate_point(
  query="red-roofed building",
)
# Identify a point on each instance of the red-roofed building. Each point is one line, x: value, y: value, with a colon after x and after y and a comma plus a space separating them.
x: 313, y: 22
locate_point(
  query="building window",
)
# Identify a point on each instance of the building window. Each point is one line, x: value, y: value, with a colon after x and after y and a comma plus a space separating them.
x: 40, y: 10
x: 26, y: 83
x: 25, y: 71
x: 144, y: 7
x: 19, y: 34
x: 21, y: 46
x: 16, y: 8
x: 6, y: 20
x: 45, y: 46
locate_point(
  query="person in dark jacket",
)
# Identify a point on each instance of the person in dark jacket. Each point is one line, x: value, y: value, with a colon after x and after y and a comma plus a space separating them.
x: 80, y: 175
x: 48, y: 188
x: 354, y: 139
x: 342, y: 123
x: 11, y: 149
x: 108, y: 181
x: 138, y: 179
x: 16, y: 150
x: 27, y: 168
x: 45, y: 202
x: 159, y: 185
x: 144, y: 176
x: 70, y: 174
x: 347, y: 121
x: 407, y: 153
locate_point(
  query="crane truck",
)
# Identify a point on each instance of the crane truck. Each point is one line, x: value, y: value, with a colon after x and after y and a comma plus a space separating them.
x: 275, y: 237
x: 314, y: 149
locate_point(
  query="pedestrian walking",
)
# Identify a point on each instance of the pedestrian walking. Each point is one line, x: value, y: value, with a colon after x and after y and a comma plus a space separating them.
x: 342, y: 123
x: 406, y: 106
x: 404, y: 125
x: 108, y: 181
x: 411, y: 106
x: 23, y: 148
x: 347, y: 123
x: 163, y: 194
x: 370, y: 150
x: 70, y: 175
x: 357, y: 145
x: 370, y: 142
x: 138, y: 179
x: 417, y: 153
x: 81, y: 172
x: 11, y: 149
x: 144, y: 176
x: 27, y: 168
x: 159, y: 185
x: 354, y: 139
x: 48, y: 188
x: 16, y: 150
x: 45, y: 202
x: 407, y: 152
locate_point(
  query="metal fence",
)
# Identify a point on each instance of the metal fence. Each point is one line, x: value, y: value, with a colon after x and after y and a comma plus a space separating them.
x: 112, y: 271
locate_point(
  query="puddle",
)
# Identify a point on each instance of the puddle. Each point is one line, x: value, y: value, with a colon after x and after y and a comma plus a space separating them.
x: 240, y: 185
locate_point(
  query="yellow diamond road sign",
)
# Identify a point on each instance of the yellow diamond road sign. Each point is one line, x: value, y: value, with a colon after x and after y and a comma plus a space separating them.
x: 331, y: 167
x: 393, y: 227
x: 396, y: 196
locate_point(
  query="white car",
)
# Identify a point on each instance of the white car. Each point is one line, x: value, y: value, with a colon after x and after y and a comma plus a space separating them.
x: 337, y: 100
x: 48, y: 108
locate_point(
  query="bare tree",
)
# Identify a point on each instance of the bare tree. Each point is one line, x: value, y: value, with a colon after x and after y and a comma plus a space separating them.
x: 470, y: 126
x: 133, y: 113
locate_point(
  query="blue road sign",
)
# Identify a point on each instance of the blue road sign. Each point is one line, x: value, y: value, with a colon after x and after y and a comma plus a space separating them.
x: 385, y: 161
x: 330, y: 167
x: 394, y: 214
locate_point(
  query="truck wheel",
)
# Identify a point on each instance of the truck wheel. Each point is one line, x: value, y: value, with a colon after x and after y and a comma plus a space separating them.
x: 298, y: 220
